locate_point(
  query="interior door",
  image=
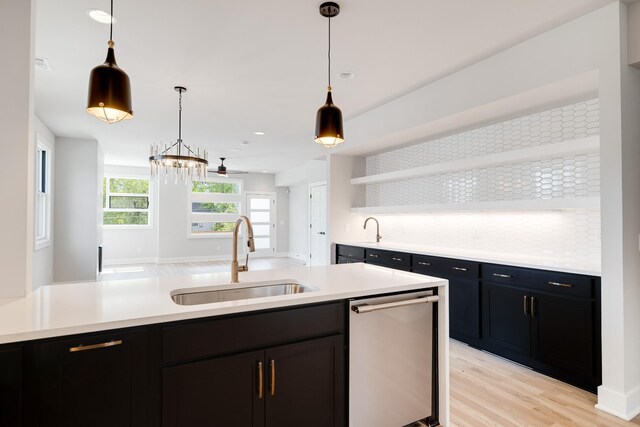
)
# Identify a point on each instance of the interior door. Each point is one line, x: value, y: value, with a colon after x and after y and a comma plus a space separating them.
x: 318, y: 225
x: 261, y: 210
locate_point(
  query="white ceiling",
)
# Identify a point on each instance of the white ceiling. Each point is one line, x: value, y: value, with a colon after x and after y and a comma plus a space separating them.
x: 258, y: 65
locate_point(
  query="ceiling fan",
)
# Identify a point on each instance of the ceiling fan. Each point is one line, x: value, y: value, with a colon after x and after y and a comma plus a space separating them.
x: 223, y: 171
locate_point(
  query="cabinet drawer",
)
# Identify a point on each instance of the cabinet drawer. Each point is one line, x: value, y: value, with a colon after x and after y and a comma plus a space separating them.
x: 507, y: 275
x: 351, y: 252
x: 460, y: 268
x: 430, y: 265
x: 398, y: 260
x: 235, y: 334
x: 563, y: 283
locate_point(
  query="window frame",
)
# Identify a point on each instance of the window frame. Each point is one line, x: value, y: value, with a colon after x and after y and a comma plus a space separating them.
x: 214, y: 198
x: 108, y: 193
x: 42, y: 195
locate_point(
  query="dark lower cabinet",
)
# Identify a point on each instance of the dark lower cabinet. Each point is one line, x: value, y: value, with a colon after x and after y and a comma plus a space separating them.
x: 96, y: 380
x: 291, y: 385
x: 10, y: 386
x: 553, y: 334
x: 562, y: 338
x: 464, y: 310
x: 216, y: 392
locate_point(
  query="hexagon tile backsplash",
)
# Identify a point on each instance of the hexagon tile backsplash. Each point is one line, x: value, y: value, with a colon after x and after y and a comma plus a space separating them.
x: 565, y: 234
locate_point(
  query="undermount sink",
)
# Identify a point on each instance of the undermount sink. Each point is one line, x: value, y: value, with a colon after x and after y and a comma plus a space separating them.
x: 196, y: 296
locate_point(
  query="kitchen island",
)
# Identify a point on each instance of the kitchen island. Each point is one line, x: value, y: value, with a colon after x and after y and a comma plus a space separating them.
x: 148, y: 345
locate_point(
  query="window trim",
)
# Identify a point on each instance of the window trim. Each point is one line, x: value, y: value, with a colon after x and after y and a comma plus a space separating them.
x: 214, y: 217
x: 42, y: 146
x: 149, y: 209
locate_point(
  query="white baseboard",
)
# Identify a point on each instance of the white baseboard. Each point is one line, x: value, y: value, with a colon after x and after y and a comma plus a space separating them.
x: 128, y: 261
x: 625, y: 406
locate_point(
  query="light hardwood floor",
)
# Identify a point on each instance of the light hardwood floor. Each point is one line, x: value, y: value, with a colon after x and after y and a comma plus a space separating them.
x: 486, y: 390
x: 490, y: 391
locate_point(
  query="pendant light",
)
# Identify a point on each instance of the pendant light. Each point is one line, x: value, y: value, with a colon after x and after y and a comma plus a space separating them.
x: 109, y: 88
x: 178, y: 160
x: 329, y: 117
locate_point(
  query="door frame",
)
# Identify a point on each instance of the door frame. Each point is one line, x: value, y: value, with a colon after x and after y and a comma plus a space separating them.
x: 309, y: 245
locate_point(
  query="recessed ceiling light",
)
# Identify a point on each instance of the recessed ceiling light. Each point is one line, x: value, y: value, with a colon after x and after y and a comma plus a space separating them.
x: 258, y: 132
x: 101, y: 16
x: 265, y: 171
x: 346, y: 75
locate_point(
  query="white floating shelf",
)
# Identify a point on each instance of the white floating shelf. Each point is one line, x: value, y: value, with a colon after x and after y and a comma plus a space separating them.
x: 509, y: 205
x: 590, y: 144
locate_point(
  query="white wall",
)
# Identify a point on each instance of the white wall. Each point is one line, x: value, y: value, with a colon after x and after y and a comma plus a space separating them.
x: 17, y: 26
x: 76, y: 209
x: 311, y: 171
x: 43, y: 257
x: 132, y: 245
x: 173, y: 243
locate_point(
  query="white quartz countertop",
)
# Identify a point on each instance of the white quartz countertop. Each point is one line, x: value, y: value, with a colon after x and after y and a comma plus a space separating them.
x: 58, y: 310
x: 567, y: 265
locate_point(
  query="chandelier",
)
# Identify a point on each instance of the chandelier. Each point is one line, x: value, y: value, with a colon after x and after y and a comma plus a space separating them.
x: 178, y: 160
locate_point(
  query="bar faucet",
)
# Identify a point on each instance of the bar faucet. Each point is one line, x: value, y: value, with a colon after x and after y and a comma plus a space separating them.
x: 234, y: 261
x: 378, y: 236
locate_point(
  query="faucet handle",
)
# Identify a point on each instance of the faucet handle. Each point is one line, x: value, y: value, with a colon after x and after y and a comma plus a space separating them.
x: 244, y: 267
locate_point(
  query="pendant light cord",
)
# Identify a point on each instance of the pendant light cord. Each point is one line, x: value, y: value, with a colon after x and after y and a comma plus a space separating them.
x: 328, y: 54
x: 111, y: 23
x: 180, y: 116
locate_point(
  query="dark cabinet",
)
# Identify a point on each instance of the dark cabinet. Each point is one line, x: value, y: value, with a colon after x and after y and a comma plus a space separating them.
x: 464, y: 293
x: 547, y: 320
x: 290, y: 385
x: 10, y: 386
x: 278, y: 368
x: 536, y: 321
x: 96, y: 379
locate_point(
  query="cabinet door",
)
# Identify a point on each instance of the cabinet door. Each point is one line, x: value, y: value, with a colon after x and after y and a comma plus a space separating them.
x: 464, y: 309
x: 305, y: 384
x: 218, y: 392
x: 506, y: 325
x: 563, y: 337
x: 10, y: 386
x: 96, y: 380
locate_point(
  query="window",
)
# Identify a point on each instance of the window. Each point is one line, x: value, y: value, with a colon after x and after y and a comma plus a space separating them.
x: 43, y: 197
x: 126, y: 201
x: 214, y: 206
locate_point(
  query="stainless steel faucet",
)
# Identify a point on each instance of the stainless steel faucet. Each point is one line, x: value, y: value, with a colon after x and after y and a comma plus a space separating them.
x: 234, y: 261
x: 378, y: 236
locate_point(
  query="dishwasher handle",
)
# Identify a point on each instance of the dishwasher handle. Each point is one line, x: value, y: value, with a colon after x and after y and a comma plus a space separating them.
x: 367, y: 308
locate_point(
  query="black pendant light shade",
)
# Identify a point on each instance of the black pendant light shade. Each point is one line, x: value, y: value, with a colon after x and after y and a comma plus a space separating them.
x: 109, y: 91
x: 329, y: 117
x: 329, y: 124
x: 109, y: 96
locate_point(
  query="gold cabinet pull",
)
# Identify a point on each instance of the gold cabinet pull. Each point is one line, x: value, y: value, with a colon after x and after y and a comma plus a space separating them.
x: 94, y: 346
x: 397, y: 259
x: 424, y: 263
x: 459, y: 268
x: 562, y: 285
x: 525, y: 305
x: 273, y: 377
x: 260, y: 380
x: 505, y: 276
x: 533, y: 306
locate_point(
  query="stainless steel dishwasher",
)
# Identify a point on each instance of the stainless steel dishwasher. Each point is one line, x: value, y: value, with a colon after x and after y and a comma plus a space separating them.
x: 393, y: 360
